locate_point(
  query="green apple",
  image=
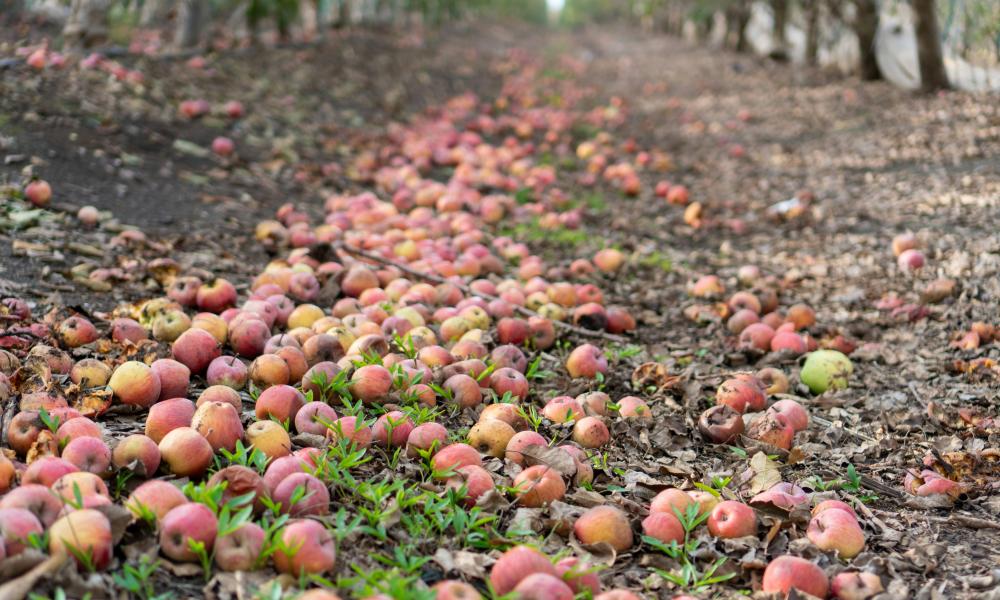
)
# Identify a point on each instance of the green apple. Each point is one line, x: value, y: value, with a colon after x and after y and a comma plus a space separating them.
x: 826, y: 369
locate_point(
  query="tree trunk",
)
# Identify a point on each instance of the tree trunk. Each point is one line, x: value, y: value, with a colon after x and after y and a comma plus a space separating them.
x: 741, y: 26
x: 191, y: 19
x: 866, y: 28
x: 285, y: 12
x: 344, y: 13
x: 87, y: 25
x: 732, y: 18
x: 932, y: 72
x: 10, y: 10
x: 319, y: 8
x: 154, y: 12
x: 780, y: 9
x: 812, y: 32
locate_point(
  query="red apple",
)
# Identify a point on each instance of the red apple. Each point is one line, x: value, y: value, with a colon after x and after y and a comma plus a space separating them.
x: 591, y: 432
x: 911, y: 260
x: 38, y: 192
x: 517, y: 564
x: 16, y: 524
x: 315, y: 501
x: 631, y: 407
x: 314, y: 417
x: 185, y: 523
x: 223, y: 146
x: 371, y: 383
x: 185, y: 452
x: 392, y: 429
x: 89, y: 454
x: 77, y: 331
x: 855, y: 585
x: 135, y: 383
x: 834, y: 505
x: 785, y: 573
x: 519, y: 442
x: 219, y: 423
x: 586, y: 361
x: 476, y: 481
x: 77, y: 427
x: 7, y: 473
x: 721, y: 424
x: 741, y: 395
x: 578, y: 575
x: 801, y: 316
x: 562, y: 409
x: 507, y: 380
x: 249, y: 336
x: 543, y: 586
x: 47, y: 470
x: 663, y: 527
x: 465, y: 390
x: 216, y: 296
x: 450, y: 589
x: 174, y: 378
x: 452, y: 457
x: 731, y: 519
x: 84, y: 532
x: 791, y: 412
x: 306, y: 548
x: 239, y: 550
x: 268, y: 370
x: 196, y: 349
x: 604, y: 524
x: 757, y: 336
x: 671, y: 501
x: 773, y: 430
x: 426, y: 437
x: 37, y: 499
x: 353, y: 429
x: 280, y: 402
x: 538, y: 486
x: 168, y: 415
x: 87, y: 484
x: 137, y: 452
x: 617, y: 595
x: 491, y: 436
x: 836, y: 530
x: 184, y: 291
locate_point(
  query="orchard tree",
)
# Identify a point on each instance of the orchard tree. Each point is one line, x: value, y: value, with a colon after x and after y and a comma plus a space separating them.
x: 866, y: 28
x: 192, y: 17
x: 87, y: 24
x: 779, y: 35
x: 933, y: 75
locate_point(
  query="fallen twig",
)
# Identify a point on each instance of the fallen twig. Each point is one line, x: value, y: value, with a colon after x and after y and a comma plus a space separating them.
x: 829, y: 425
x: 19, y: 588
x: 867, y: 512
x: 966, y: 521
x: 26, y: 334
x: 469, y: 292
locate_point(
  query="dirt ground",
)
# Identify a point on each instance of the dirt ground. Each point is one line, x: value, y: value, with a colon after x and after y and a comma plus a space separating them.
x: 866, y: 162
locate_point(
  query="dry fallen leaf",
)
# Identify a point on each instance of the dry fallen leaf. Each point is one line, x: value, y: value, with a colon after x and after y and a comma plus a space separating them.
x: 766, y: 473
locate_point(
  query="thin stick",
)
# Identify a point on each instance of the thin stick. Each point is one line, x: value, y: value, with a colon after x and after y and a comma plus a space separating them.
x: 966, y: 521
x: 19, y: 588
x: 867, y: 512
x: 469, y: 292
x: 829, y: 424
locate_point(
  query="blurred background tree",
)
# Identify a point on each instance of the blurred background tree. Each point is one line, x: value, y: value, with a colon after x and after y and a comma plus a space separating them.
x: 940, y: 32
